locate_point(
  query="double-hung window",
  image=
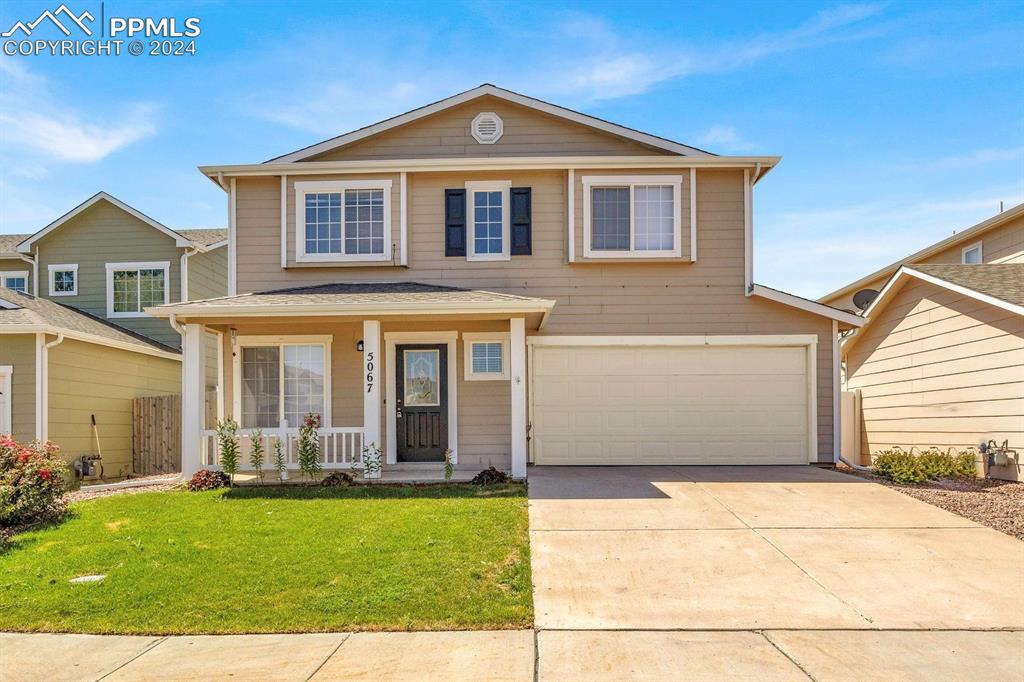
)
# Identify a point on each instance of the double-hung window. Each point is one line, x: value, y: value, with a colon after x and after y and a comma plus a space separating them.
x: 486, y: 355
x: 17, y: 281
x: 347, y: 220
x: 487, y: 223
x: 282, y: 380
x: 133, y: 287
x: 632, y: 216
x: 63, y: 280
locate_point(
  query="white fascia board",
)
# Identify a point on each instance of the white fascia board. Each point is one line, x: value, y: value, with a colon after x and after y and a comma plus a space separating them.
x: 670, y: 340
x: 336, y: 309
x: 510, y: 163
x: 86, y: 338
x: 500, y: 93
x: 179, y: 240
x: 810, y: 306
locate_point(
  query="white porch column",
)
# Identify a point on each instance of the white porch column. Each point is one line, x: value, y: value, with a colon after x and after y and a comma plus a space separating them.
x: 193, y: 397
x: 371, y: 384
x: 517, y: 374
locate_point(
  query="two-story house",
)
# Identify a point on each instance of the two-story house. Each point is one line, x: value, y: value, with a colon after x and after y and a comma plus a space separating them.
x: 514, y: 282
x: 940, y: 359
x: 76, y: 346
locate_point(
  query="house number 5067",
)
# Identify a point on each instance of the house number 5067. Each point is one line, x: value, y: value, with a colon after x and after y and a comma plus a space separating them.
x: 369, y: 371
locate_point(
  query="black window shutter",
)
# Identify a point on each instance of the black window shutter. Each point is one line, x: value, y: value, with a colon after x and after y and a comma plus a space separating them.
x: 455, y: 222
x: 522, y: 237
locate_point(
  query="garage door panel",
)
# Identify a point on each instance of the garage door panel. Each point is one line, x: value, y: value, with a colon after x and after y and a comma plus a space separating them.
x: 669, y: 405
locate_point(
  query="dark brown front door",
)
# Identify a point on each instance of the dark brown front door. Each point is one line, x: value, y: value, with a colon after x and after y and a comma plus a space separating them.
x: 421, y: 415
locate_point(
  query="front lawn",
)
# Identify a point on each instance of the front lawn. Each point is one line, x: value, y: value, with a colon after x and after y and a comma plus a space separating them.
x: 276, y: 560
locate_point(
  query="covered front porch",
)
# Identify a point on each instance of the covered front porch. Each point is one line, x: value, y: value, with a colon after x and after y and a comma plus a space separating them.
x: 408, y: 373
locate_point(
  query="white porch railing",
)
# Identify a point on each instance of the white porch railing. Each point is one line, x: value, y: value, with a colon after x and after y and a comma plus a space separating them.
x: 341, y: 447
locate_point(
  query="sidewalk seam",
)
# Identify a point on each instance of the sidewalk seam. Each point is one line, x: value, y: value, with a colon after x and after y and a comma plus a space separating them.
x: 152, y: 645
x: 329, y: 656
x: 788, y: 657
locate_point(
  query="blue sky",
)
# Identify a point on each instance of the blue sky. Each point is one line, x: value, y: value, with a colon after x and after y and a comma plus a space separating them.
x: 897, y: 123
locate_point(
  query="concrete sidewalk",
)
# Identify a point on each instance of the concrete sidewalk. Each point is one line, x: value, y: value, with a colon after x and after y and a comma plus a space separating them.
x: 521, y: 656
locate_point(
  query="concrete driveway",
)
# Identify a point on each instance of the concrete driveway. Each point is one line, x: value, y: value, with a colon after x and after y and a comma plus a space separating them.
x: 766, y: 563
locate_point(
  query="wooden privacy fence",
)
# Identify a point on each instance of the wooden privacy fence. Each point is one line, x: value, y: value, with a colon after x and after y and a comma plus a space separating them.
x: 156, y: 435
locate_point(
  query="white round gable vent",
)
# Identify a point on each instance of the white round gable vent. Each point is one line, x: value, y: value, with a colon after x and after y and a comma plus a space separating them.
x: 487, y: 127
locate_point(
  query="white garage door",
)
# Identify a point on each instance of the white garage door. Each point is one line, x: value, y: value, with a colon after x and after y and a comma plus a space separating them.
x: 670, y: 404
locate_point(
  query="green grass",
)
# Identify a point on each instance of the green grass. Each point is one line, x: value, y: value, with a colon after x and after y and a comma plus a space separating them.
x: 277, y: 560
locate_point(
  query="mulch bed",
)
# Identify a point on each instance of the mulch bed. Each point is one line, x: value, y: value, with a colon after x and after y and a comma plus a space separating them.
x: 996, y: 504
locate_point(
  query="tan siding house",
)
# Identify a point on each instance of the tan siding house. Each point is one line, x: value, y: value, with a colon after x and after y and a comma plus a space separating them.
x: 941, y: 362
x: 513, y: 282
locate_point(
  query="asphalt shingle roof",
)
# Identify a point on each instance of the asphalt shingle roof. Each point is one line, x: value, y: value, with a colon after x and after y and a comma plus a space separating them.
x: 35, y: 312
x: 205, y: 235
x: 360, y: 294
x: 9, y: 242
x: 1001, y: 280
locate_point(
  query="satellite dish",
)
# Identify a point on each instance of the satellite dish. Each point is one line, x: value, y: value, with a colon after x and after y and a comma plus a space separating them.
x: 863, y: 298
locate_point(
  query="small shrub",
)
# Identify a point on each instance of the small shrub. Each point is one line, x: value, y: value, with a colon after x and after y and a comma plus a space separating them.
x: 901, y: 466
x: 898, y: 466
x: 32, y: 482
x: 491, y: 476
x: 371, y: 461
x: 309, y: 446
x: 935, y: 465
x: 965, y: 464
x: 337, y: 479
x: 204, y: 479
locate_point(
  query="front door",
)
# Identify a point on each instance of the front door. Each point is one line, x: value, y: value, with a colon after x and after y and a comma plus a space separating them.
x: 421, y: 416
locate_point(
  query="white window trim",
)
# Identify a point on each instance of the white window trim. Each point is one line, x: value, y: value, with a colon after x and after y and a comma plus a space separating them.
x: 503, y: 186
x: 971, y: 247
x: 4, y: 274
x: 67, y: 267
x: 339, y: 186
x: 274, y: 340
x: 469, y: 338
x: 7, y: 406
x: 631, y: 181
x: 138, y: 265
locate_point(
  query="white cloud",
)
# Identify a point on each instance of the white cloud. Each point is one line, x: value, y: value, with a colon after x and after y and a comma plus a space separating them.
x: 978, y: 157
x: 36, y: 122
x: 724, y: 138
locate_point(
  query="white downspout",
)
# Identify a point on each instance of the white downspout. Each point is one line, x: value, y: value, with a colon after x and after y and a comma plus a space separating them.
x: 184, y: 272
x: 43, y: 384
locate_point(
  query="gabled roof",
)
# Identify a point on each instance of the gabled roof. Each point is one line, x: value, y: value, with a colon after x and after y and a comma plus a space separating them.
x: 501, y: 93
x: 210, y: 237
x: 972, y: 232
x: 180, y: 239
x: 382, y: 298
x: 998, y: 284
x: 9, y: 244
x: 25, y: 314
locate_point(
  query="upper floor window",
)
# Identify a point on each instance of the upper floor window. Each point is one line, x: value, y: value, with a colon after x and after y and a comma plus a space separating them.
x: 15, y: 280
x: 63, y: 280
x: 343, y: 220
x: 133, y: 287
x: 632, y: 216
x: 488, y: 226
x: 971, y: 255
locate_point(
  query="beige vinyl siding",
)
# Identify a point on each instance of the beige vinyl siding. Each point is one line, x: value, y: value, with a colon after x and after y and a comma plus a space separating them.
x: 88, y: 379
x: 103, y: 234
x: 484, y: 407
x: 620, y: 298
x: 8, y: 265
x: 19, y: 351
x: 939, y: 368
x: 1003, y: 244
x: 526, y: 132
x: 208, y: 274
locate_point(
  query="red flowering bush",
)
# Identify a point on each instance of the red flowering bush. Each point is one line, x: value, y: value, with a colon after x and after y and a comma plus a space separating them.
x: 204, y: 479
x: 32, y: 482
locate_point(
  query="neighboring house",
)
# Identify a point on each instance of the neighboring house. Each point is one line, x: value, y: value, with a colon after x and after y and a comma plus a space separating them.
x: 15, y: 269
x: 112, y: 261
x: 513, y: 281
x: 61, y: 368
x: 1000, y: 239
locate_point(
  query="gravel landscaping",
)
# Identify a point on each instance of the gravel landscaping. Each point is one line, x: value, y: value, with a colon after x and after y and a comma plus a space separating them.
x: 996, y: 504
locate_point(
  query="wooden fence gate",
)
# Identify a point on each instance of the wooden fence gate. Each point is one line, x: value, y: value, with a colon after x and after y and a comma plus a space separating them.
x: 156, y: 435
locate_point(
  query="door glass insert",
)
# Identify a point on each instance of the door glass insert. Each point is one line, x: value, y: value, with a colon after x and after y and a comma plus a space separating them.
x: 422, y: 387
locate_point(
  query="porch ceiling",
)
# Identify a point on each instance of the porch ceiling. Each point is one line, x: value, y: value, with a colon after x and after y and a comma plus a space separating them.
x: 370, y: 299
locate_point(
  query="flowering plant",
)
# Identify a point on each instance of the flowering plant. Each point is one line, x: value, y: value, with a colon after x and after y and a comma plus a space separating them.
x: 309, y: 446
x: 32, y: 482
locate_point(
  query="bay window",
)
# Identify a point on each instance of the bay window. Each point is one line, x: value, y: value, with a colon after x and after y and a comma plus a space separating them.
x: 632, y: 216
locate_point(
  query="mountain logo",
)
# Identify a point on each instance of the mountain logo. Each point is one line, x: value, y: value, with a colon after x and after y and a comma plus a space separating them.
x: 77, y: 20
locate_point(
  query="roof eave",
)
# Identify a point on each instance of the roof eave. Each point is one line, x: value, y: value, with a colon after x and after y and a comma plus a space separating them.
x: 814, y: 307
x: 180, y: 310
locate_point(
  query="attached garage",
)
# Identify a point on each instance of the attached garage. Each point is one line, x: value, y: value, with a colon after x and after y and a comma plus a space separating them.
x: 672, y: 400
